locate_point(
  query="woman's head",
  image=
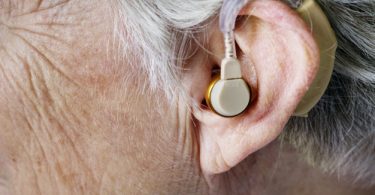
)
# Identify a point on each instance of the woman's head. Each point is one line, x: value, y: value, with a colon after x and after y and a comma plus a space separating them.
x: 108, y: 96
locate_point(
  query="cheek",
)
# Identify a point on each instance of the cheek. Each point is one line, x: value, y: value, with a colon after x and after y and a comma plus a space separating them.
x: 72, y: 40
x: 135, y: 122
x: 5, y: 175
x: 145, y: 143
x: 97, y: 113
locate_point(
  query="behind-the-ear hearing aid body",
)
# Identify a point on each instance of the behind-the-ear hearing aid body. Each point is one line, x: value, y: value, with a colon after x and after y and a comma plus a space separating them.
x: 229, y: 95
x: 325, y: 37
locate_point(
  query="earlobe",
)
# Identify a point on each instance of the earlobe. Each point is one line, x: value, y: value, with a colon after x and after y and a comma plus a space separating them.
x: 284, y: 60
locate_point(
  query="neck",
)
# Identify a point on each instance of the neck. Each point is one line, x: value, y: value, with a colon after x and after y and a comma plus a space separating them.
x: 279, y: 169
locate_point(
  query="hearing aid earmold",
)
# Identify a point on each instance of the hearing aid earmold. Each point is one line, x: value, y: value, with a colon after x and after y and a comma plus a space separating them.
x: 228, y: 95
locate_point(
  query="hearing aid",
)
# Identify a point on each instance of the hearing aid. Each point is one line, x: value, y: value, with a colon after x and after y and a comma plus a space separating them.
x: 229, y: 95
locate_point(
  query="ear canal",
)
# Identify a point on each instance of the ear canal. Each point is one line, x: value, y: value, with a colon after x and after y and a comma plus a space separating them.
x: 228, y: 98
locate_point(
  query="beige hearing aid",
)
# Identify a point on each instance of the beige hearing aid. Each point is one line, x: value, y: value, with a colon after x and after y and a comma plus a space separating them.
x: 326, y: 40
x: 228, y: 95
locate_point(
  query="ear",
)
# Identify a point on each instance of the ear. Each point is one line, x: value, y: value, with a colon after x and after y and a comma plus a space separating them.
x: 279, y: 59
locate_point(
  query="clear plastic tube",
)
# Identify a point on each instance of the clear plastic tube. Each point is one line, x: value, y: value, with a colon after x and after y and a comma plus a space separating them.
x: 228, y: 14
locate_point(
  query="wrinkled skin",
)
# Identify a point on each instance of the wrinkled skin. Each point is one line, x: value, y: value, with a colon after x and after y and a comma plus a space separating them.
x: 72, y: 120
x: 69, y: 123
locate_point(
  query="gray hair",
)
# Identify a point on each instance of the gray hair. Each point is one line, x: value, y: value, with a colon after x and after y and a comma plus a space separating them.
x: 339, y: 134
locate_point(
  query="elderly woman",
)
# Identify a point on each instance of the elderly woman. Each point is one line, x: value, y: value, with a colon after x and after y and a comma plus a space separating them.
x: 108, y: 97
